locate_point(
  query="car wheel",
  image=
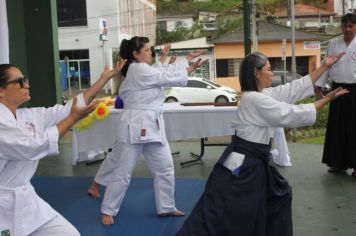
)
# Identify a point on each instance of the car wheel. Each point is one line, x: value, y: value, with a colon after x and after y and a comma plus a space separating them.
x: 171, y: 99
x: 221, y: 99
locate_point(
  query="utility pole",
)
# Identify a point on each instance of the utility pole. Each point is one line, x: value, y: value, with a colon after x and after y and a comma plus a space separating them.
x: 247, y: 32
x: 254, y: 25
x: 292, y: 15
x: 294, y: 66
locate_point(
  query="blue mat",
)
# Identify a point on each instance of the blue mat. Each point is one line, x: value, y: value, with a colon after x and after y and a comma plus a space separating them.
x: 137, y: 216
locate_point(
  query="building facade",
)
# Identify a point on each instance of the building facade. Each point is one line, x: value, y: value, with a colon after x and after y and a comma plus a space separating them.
x: 90, y: 33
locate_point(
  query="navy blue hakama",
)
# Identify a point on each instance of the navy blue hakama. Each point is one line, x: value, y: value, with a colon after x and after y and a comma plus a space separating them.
x: 254, y: 202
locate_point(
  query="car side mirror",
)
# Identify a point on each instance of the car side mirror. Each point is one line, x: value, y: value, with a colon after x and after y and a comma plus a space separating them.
x: 209, y: 87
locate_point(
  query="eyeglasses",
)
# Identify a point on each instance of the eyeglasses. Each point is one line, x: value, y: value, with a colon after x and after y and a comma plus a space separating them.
x: 20, y: 80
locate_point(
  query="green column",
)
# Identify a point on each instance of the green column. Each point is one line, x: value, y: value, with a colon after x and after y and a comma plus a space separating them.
x: 33, y: 41
x: 247, y: 31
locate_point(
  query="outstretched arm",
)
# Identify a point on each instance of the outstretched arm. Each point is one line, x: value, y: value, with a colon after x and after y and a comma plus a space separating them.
x: 105, y: 76
x: 327, y: 64
x: 329, y: 97
x: 164, y: 52
x: 76, y: 113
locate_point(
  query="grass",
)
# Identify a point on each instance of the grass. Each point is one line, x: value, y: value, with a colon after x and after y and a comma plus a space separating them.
x: 315, y: 140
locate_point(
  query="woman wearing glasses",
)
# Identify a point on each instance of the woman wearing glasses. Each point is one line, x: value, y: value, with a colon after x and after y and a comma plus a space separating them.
x: 26, y: 136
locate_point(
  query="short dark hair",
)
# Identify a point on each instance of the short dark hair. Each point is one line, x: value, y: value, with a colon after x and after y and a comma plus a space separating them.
x: 127, y: 48
x: 349, y: 18
x: 249, y: 64
x: 4, y: 76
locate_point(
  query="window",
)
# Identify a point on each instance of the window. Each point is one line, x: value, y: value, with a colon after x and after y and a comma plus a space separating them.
x: 227, y: 67
x: 72, y: 13
x: 196, y: 84
x: 222, y: 68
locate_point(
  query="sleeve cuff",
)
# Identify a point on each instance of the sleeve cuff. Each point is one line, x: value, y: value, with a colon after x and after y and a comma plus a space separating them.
x: 312, y: 110
x: 310, y: 85
x: 53, y: 137
x: 80, y: 100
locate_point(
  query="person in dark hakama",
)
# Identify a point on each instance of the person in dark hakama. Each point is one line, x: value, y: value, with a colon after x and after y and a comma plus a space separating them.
x: 244, y: 195
x: 340, y: 153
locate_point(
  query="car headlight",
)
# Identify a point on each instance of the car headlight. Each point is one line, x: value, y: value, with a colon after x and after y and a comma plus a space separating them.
x: 231, y: 92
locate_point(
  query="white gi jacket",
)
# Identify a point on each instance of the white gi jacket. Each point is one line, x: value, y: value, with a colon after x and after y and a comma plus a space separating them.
x: 142, y: 92
x: 258, y: 113
x: 24, y: 140
x: 344, y: 71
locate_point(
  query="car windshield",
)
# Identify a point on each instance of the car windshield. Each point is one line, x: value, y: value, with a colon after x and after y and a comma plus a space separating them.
x: 212, y: 83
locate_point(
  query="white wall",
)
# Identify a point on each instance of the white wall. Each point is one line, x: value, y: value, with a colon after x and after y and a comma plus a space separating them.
x: 87, y: 37
x: 4, y: 34
x: 138, y: 18
x: 338, y: 4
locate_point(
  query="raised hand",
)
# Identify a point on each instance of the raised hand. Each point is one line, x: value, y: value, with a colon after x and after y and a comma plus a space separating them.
x: 164, y: 52
x: 172, y: 59
x: 195, y: 54
x: 108, y: 74
x: 165, y: 49
x: 196, y: 65
x: 336, y: 93
x: 331, y: 60
x: 77, y: 113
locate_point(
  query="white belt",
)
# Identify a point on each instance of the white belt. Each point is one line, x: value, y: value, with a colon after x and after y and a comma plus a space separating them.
x: 18, y: 207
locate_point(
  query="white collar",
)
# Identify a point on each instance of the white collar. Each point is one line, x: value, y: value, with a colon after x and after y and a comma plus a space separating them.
x: 6, y: 116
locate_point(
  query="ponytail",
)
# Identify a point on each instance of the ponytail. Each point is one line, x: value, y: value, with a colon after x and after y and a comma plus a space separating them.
x: 127, y: 48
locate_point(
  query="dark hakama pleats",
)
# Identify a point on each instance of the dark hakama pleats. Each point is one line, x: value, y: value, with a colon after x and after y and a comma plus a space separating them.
x: 340, y: 137
x: 256, y: 202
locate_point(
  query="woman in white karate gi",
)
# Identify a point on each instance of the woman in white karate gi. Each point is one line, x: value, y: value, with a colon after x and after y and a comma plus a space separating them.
x: 26, y: 136
x: 141, y: 129
x: 244, y: 195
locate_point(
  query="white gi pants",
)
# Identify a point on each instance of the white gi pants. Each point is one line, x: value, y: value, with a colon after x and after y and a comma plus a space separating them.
x: 122, y: 161
x: 58, y: 226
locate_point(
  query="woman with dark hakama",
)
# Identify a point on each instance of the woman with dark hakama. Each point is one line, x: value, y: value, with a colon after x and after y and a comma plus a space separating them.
x: 244, y: 195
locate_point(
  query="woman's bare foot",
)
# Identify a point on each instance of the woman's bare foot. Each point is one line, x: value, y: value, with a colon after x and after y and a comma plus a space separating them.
x: 93, y: 190
x: 107, y: 220
x: 173, y: 213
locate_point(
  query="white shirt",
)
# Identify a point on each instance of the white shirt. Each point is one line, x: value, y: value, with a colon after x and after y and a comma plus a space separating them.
x: 344, y: 71
x: 258, y: 113
x: 24, y: 140
x: 142, y: 92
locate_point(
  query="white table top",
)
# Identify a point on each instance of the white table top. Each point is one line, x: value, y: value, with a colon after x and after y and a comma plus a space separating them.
x: 181, y: 122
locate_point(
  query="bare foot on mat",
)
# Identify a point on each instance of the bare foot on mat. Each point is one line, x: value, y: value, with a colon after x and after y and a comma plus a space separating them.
x: 93, y: 190
x: 107, y: 220
x: 173, y: 213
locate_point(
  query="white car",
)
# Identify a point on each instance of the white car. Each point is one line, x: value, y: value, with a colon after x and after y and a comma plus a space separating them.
x: 200, y: 90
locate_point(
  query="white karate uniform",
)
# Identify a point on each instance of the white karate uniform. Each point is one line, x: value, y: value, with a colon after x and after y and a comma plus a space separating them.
x: 24, y: 140
x: 141, y: 131
x: 344, y: 71
x: 260, y: 113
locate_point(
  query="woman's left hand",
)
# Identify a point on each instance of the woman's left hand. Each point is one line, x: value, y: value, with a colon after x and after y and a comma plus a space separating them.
x: 195, y: 54
x: 165, y: 49
x: 336, y: 93
x: 77, y: 113
x: 108, y: 74
x: 331, y: 60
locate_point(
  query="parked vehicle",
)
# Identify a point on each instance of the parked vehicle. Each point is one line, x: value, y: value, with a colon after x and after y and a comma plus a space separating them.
x: 200, y: 90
